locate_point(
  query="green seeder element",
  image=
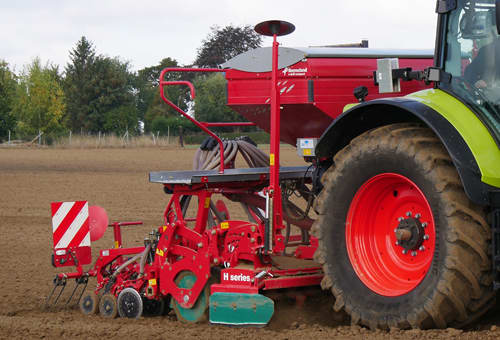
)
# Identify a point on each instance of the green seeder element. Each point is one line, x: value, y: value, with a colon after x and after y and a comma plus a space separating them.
x: 240, y: 309
x: 196, y: 313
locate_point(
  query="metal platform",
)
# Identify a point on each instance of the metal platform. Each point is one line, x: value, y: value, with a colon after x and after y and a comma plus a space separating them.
x: 229, y: 175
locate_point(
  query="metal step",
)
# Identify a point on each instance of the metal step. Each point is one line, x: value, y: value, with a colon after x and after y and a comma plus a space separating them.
x: 229, y: 175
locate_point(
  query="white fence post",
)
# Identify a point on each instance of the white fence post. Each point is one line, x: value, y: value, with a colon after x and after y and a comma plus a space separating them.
x: 125, y: 136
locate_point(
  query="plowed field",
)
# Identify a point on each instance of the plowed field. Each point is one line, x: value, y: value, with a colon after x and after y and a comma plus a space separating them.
x: 117, y: 179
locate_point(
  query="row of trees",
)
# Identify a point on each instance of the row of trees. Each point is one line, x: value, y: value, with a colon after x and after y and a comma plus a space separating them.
x: 96, y: 93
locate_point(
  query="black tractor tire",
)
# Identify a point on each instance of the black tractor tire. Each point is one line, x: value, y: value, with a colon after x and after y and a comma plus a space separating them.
x: 457, y: 288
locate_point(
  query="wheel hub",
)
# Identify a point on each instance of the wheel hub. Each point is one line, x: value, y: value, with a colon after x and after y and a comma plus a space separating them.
x: 390, y: 254
x: 410, y: 233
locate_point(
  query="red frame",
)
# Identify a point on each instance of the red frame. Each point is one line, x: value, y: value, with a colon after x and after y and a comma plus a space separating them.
x: 164, y: 83
x: 181, y: 248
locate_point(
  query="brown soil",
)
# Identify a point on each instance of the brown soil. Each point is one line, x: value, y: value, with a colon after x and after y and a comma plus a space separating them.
x: 117, y: 179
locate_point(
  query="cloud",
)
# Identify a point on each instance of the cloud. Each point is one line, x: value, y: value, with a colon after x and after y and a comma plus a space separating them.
x: 144, y: 32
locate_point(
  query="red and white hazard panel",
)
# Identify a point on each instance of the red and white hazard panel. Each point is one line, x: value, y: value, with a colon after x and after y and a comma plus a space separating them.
x: 71, y: 233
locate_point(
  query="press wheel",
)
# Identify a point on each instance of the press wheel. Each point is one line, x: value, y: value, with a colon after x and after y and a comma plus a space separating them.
x: 130, y: 304
x: 89, y: 303
x: 108, y: 306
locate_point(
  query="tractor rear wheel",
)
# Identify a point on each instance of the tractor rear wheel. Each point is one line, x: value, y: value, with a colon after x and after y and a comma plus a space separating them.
x: 400, y: 243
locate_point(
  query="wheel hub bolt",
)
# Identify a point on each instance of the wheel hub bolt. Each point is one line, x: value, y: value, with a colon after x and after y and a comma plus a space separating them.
x: 400, y: 219
x: 397, y: 243
x: 413, y: 253
x: 426, y: 237
x: 408, y: 213
x: 421, y: 248
x: 405, y: 251
x: 417, y: 215
x: 424, y: 224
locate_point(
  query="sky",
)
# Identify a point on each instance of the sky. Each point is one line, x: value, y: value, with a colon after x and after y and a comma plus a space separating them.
x: 143, y: 32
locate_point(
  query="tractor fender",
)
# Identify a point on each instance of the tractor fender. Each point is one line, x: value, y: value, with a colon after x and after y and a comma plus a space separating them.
x: 376, y: 113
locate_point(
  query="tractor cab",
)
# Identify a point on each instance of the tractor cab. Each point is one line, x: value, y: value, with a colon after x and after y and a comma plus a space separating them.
x: 470, y: 52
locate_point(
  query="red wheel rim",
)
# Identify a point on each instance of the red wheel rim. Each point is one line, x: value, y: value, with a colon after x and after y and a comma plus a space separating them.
x: 378, y: 208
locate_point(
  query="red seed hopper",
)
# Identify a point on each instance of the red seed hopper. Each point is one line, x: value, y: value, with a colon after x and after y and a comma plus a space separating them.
x: 315, y: 84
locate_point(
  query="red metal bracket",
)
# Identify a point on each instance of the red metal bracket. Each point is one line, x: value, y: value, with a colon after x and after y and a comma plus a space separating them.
x: 182, y: 112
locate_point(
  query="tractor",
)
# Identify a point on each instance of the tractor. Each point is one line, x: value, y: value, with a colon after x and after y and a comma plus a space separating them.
x: 400, y: 212
x: 408, y: 223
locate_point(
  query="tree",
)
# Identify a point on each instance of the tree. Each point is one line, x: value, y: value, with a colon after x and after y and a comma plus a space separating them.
x: 7, y: 94
x: 97, y: 88
x: 112, y: 85
x: 160, y: 124
x: 164, y: 125
x: 149, y: 103
x: 121, y: 119
x: 77, y: 85
x: 211, y: 98
x: 39, y: 103
x: 225, y: 43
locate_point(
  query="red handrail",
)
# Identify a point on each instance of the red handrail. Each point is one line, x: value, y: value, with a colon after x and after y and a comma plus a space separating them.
x: 192, y: 92
x: 228, y: 124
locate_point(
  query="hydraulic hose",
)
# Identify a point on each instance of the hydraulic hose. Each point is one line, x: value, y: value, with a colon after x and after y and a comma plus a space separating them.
x: 254, y: 157
x: 133, y: 259
x: 143, y: 259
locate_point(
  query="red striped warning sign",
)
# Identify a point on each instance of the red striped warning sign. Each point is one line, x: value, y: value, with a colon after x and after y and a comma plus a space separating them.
x: 71, y: 233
